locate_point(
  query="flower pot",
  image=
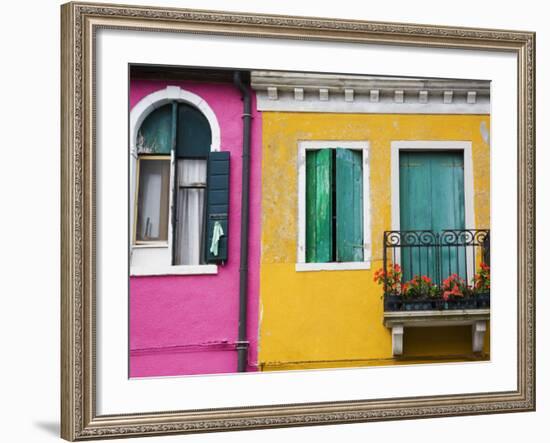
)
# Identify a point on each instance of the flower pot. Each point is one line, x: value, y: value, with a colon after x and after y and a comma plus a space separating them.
x: 426, y: 305
x: 417, y: 305
x: 454, y: 303
x: 392, y: 303
x: 483, y: 301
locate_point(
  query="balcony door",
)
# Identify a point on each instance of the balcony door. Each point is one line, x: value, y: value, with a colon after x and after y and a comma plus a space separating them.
x: 431, y: 194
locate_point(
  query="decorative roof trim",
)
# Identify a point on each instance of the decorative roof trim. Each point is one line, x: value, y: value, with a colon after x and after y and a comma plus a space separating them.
x: 303, y: 92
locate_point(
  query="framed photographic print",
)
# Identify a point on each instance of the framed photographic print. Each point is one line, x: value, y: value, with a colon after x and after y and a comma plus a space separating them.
x: 282, y: 221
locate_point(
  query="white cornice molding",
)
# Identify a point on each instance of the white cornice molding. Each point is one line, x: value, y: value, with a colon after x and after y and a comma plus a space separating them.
x: 303, y: 92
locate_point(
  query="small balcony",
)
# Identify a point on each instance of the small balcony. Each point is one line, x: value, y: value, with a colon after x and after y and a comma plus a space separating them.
x: 436, y: 279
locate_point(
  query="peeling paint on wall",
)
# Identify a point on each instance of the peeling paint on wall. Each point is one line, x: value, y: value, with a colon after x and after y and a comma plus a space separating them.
x: 484, y: 131
x: 334, y: 319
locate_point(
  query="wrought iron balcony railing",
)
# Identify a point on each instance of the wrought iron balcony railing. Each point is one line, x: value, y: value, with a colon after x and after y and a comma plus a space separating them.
x: 426, y: 270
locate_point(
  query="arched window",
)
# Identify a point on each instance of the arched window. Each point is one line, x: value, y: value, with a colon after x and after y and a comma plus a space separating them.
x: 173, y: 148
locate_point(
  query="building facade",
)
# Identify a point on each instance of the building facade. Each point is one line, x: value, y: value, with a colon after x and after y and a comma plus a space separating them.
x: 378, y: 138
x: 184, y: 300
x: 349, y: 176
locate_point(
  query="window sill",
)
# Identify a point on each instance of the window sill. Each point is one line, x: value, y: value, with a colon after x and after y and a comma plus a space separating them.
x: 175, y: 270
x: 162, y: 245
x: 344, y: 266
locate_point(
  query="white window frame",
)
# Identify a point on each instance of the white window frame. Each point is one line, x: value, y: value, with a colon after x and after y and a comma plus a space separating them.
x: 301, y: 264
x: 434, y: 145
x: 156, y: 259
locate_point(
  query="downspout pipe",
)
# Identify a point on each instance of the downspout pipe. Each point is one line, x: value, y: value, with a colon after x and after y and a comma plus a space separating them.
x: 242, y: 343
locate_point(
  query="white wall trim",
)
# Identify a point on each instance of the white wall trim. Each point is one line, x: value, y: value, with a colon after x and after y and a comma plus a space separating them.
x: 276, y: 91
x: 429, y: 145
x: 162, y: 259
x: 341, y: 102
x: 335, y: 266
x: 160, y: 245
x: 174, y: 270
x: 303, y: 146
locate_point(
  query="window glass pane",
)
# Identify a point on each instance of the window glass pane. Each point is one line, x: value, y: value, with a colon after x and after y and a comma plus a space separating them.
x: 194, y: 135
x: 191, y: 172
x: 155, y: 133
x: 154, y: 184
x: 191, y: 192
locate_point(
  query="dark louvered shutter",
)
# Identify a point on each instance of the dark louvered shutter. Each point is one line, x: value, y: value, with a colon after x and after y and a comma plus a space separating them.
x: 217, y: 204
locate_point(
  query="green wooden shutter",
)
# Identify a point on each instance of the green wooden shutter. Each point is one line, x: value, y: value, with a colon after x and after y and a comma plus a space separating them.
x: 349, y: 205
x: 447, y: 170
x: 415, y: 190
x: 431, y: 197
x: 448, y: 206
x: 217, y: 204
x: 319, y: 236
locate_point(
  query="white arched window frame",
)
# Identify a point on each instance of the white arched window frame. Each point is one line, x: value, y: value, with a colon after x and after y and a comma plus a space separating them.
x: 156, y: 259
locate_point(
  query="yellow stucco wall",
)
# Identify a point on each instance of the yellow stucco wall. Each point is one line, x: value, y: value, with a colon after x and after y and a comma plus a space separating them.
x: 334, y: 318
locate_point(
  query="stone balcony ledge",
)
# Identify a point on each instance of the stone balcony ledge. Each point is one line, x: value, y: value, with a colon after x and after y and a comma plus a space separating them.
x: 399, y: 320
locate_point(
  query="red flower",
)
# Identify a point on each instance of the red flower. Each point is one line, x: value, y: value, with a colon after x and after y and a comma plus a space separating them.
x: 456, y: 291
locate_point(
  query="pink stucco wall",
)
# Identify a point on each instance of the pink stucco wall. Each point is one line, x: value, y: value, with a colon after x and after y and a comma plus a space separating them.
x: 183, y: 325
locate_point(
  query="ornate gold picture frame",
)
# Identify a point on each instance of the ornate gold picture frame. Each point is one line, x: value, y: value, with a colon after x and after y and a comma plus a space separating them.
x: 80, y: 24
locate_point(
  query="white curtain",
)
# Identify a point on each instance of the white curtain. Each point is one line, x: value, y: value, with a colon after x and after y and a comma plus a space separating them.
x: 190, y: 211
